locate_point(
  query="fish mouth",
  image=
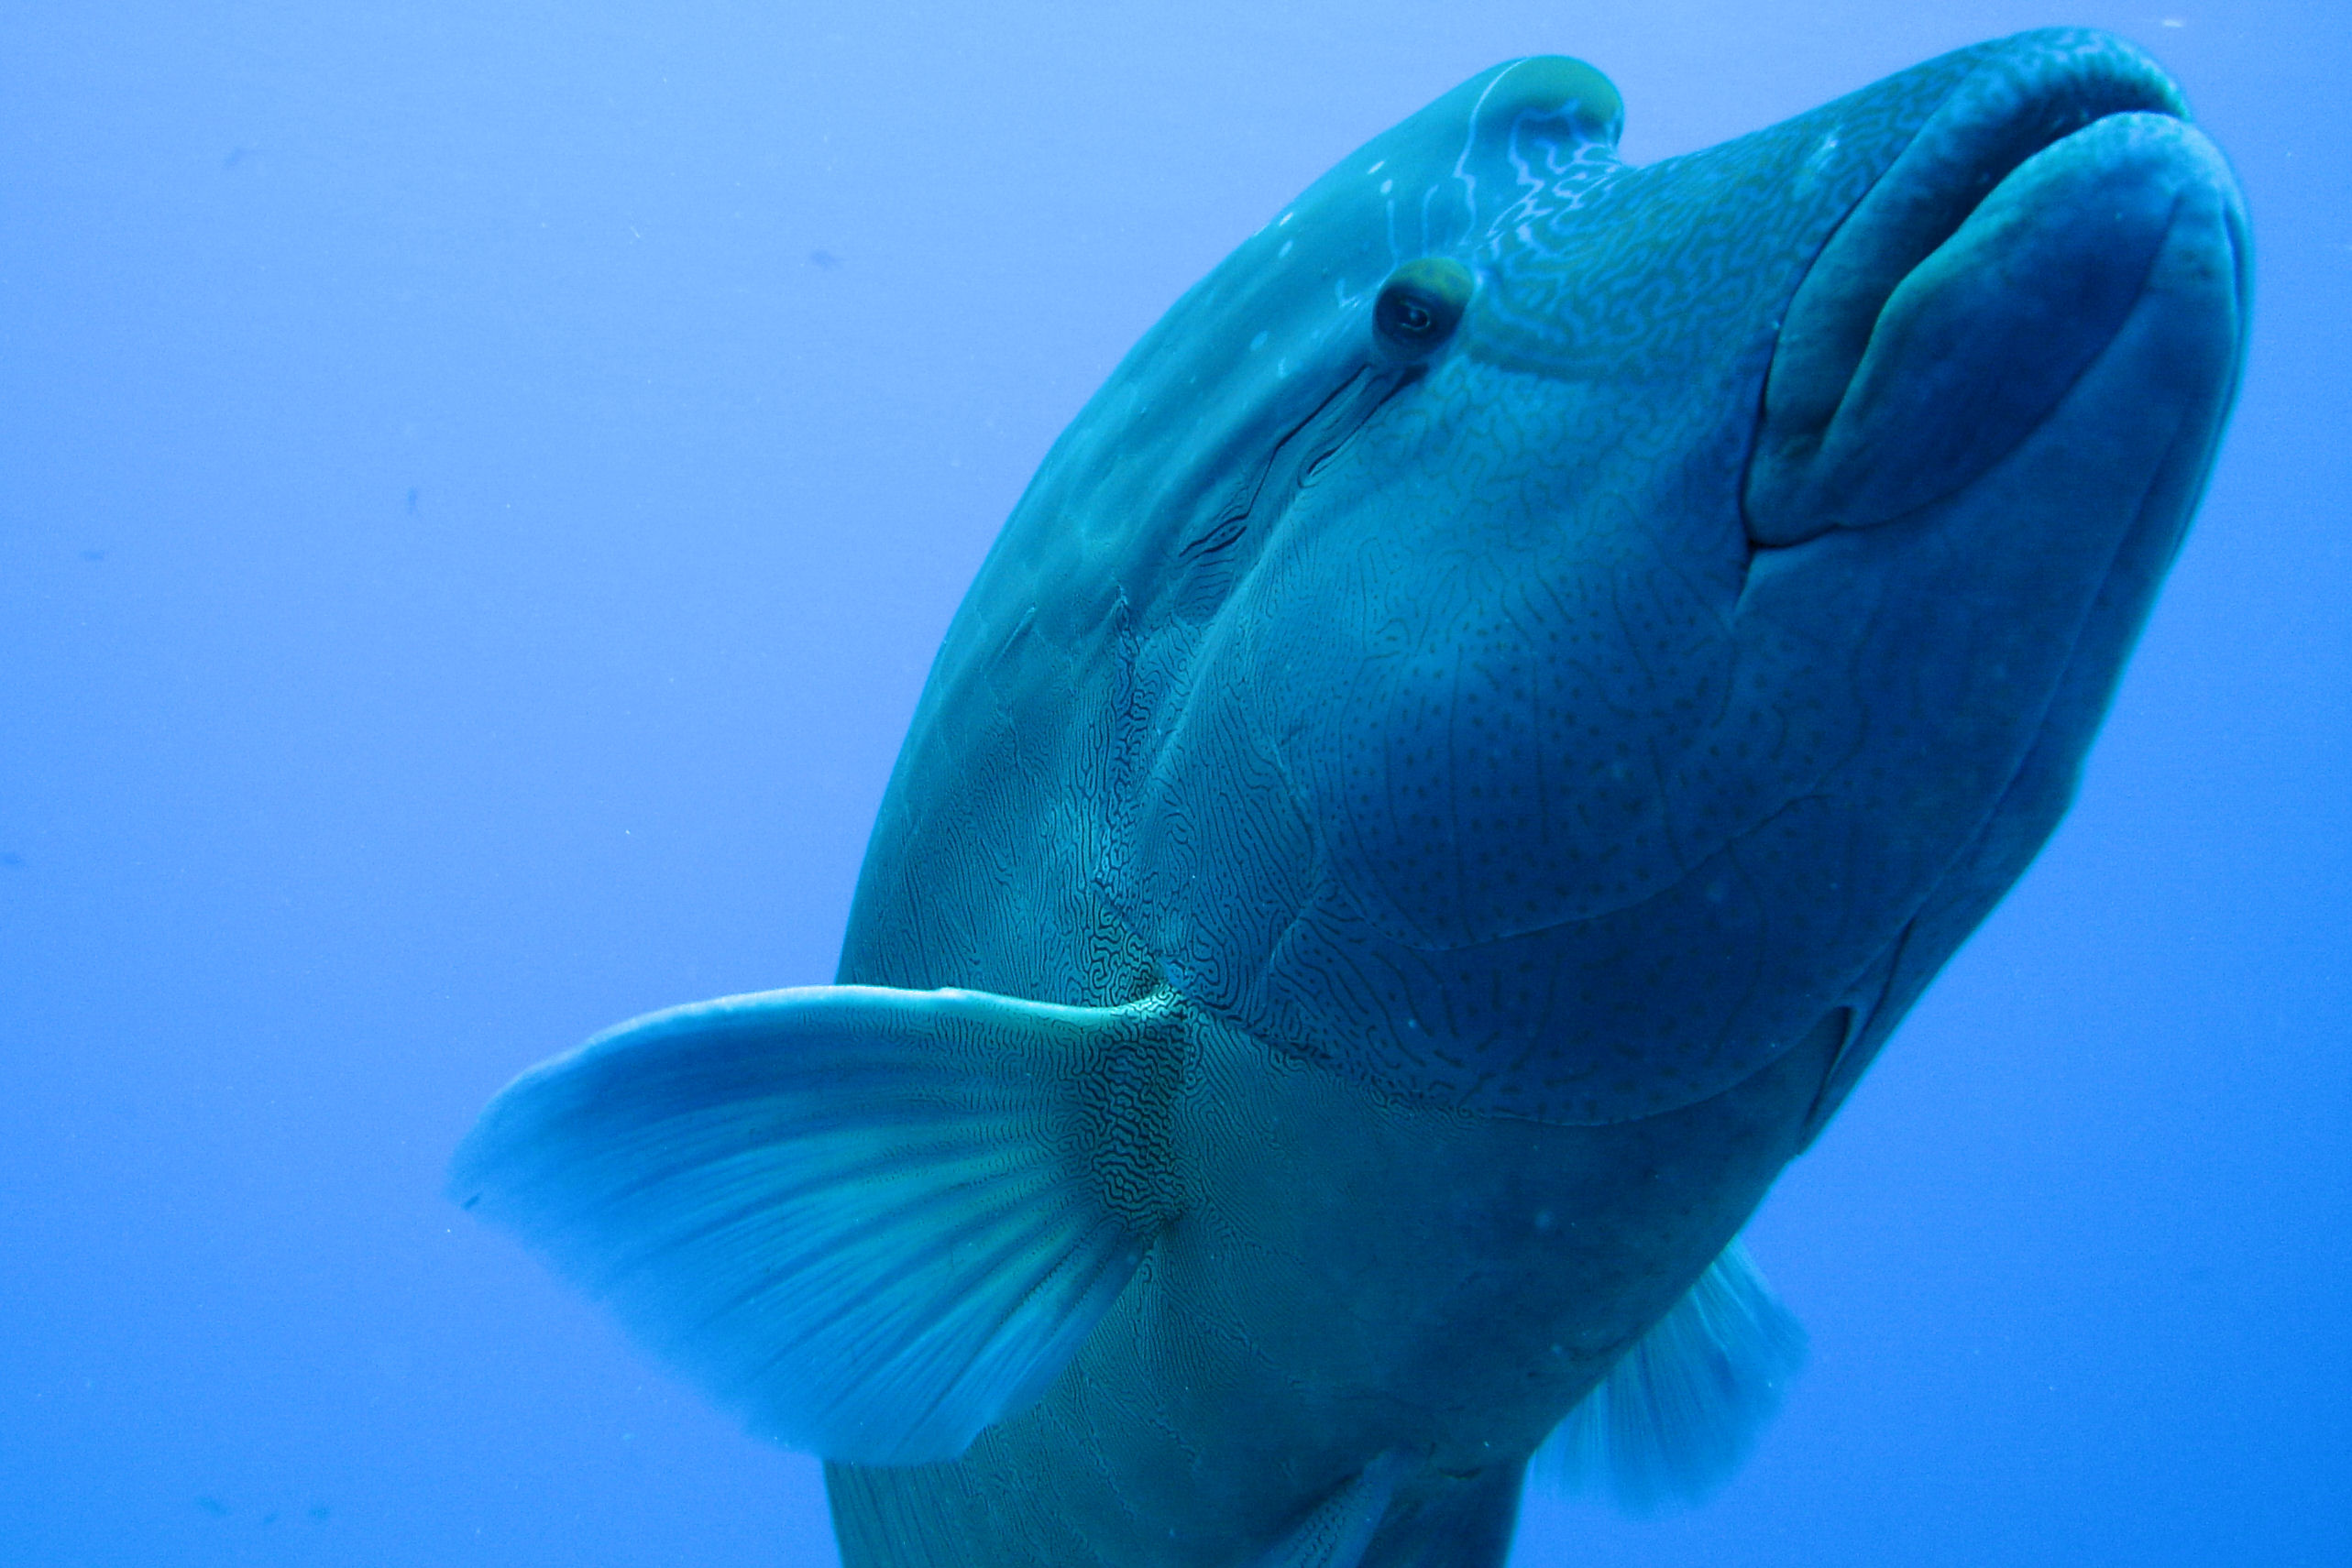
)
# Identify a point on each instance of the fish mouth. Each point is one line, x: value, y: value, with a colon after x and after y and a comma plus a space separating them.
x: 1959, y: 300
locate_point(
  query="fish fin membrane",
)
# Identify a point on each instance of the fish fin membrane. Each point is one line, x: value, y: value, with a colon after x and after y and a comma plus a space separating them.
x: 1338, y: 1530
x: 871, y: 1221
x: 1679, y: 1413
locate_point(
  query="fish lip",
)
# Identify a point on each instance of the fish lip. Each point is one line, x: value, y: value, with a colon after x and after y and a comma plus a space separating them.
x: 2025, y: 96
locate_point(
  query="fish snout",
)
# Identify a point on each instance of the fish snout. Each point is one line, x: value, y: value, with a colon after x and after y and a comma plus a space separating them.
x: 1957, y: 308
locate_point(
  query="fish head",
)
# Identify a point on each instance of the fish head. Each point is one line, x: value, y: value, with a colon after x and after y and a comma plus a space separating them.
x: 1632, y: 617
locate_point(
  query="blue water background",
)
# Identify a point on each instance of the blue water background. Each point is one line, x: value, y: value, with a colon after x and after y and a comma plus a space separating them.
x: 480, y: 485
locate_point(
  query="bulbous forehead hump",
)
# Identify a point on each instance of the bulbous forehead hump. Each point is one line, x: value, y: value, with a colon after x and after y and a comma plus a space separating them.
x: 1571, y: 101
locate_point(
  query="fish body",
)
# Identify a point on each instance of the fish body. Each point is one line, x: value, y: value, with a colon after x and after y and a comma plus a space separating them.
x: 1467, y: 747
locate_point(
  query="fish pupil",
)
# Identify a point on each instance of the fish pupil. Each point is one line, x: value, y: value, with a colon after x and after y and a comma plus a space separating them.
x: 1421, y: 305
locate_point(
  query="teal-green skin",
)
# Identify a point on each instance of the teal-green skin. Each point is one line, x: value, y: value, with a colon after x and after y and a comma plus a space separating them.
x: 1510, y: 753
x: 1484, y: 723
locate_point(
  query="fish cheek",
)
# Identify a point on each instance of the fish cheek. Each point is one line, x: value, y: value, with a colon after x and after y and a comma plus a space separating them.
x: 1487, y: 667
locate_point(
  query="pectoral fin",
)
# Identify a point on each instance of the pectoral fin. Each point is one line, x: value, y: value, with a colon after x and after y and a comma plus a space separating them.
x: 873, y: 1222
x: 1681, y: 1411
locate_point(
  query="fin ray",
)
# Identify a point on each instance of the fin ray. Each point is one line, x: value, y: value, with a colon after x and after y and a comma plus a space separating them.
x: 1339, y: 1529
x: 870, y: 1220
x: 1682, y: 1410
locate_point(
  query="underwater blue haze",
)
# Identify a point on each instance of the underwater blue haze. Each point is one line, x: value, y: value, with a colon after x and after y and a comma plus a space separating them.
x: 485, y: 485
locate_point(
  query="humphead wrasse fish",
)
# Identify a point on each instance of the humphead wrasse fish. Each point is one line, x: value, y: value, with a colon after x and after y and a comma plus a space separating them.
x: 1462, y: 756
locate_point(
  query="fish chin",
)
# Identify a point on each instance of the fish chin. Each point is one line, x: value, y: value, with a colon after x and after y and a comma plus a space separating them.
x: 1972, y: 285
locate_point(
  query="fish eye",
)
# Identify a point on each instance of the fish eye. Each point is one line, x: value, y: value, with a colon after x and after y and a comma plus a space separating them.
x: 1421, y: 305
